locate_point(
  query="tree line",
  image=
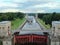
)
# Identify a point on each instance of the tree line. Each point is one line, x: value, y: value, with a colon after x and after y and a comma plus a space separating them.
x: 11, y: 16
x: 49, y: 17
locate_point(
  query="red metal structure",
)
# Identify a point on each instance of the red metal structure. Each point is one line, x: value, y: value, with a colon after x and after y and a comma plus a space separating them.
x: 32, y: 39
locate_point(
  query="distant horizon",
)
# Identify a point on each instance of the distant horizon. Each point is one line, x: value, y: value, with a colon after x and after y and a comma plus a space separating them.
x: 28, y: 13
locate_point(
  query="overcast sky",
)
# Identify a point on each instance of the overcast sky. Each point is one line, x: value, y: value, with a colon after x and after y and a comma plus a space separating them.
x: 30, y: 6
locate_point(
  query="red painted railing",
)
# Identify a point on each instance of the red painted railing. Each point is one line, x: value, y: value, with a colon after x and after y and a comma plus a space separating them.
x: 30, y: 38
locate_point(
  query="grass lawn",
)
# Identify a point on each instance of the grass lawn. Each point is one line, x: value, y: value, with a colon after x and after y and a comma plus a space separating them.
x: 43, y: 23
x: 16, y: 23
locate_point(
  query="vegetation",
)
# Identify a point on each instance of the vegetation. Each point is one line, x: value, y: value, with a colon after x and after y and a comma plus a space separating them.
x: 16, y: 18
x: 49, y: 17
x: 16, y: 23
x: 11, y: 16
x: 43, y: 23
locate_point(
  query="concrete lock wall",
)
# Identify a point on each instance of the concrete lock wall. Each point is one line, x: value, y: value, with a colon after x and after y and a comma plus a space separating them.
x: 56, y: 28
x: 7, y: 43
x: 5, y: 28
x: 54, y: 43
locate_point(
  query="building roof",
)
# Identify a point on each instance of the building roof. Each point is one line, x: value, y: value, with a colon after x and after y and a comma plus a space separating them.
x: 4, y: 22
x: 55, y: 22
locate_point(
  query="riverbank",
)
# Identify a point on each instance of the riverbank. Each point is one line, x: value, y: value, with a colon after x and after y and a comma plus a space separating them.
x: 43, y: 23
x: 16, y: 23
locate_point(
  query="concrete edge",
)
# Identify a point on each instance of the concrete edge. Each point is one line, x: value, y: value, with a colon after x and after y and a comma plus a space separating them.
x: 40, y: 24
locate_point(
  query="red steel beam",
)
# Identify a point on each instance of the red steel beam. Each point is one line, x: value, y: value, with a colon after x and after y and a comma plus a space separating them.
x: 31, y: 38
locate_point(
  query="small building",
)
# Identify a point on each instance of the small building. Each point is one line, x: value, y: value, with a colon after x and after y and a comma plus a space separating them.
x: 5, y: 27
x: 56, y: 28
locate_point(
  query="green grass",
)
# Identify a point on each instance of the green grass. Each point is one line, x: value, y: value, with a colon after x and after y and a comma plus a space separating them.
x: 16, y: 23
x: 43, y: 23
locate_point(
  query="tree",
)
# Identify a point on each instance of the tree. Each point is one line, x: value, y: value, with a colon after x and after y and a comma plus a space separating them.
x: 11, y: 16
x: 47, y: 19
x: 40, y: 15
x: 20, y: 15
x: 4, y: 17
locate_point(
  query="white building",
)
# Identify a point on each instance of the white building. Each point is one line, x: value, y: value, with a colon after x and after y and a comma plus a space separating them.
x: 56, y: 28
x: 5, y: 27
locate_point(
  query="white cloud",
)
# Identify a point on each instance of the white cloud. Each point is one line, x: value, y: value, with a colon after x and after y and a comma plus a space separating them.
x: 47, y: 0
x: 29, y: 5
x: 8, y: 5
x: 20, y: 1
x: 33, y: 11
x: 16, y: 10
x: 50, y: 5
x: 41, y: 11
x: 9, y: 10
